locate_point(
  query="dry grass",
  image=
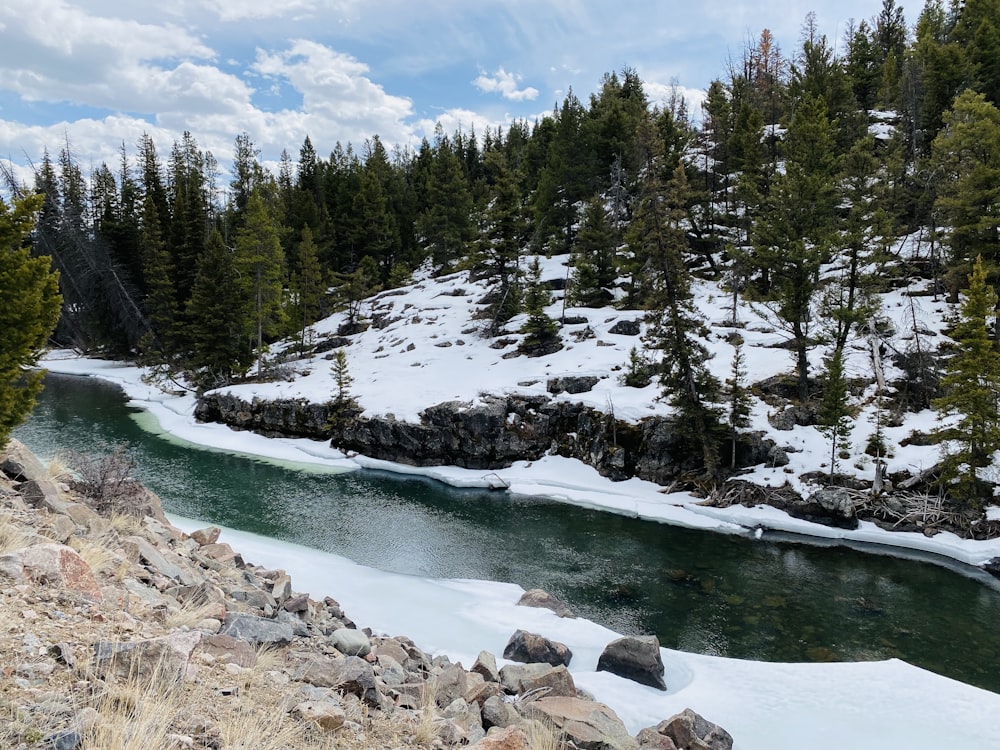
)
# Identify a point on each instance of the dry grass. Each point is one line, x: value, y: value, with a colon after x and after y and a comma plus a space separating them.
x: 544, y: 736
x: 100, y: 559
x: 126, y: 524
x: 189, y: 614
x: 11, y: 536
x: 59, y: 470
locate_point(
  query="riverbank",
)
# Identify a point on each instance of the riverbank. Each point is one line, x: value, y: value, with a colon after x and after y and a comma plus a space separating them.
x: 765, y: 705
x: 554, y: 477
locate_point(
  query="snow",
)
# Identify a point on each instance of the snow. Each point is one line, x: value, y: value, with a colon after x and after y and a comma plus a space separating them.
x: 425, y: 349
x: 765, y: 706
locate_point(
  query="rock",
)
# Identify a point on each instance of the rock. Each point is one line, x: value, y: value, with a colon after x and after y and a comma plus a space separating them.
x: 326, y: 714
x: 635, y: 658
x: 992, y: 566
x: 691, y: 731
x: 835, y: 500
x: 350, y: 674
x: 506, y: 738
x: 256, y: 630
x: 69, y: 739
x: 54, y: 565
x: 626, y: 328
x: 590, y: 725
x: 545, y: 600
x: 137, y: 548
x: 61, y: 528
x: 43, y: 493
x: 486, y: 664
x: 20, y: 464
x: 524, y: 678
x: 229, y: 650
x: 350, y: 642
x: 499, y: 713
x: 572, y: 384
x: 296, y: 603
x: 208, y: 535
x: 156, y: 659
x: 530, y: 648
x: 282, y: 588
x: 650, y: 739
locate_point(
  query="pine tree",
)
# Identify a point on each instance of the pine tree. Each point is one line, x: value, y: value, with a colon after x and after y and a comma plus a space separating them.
x: 343, y: 407
x: 834, y: 414
x: 593, y: 258
x: 966, y: 155
x: 500, y: 242
x: 262, y: 263
x: 446, y: 222
x: 738, y: 403
x: 220, y: 318
x: 307, y: 287
x: 656, y: 234
x: 541, y: 334
x: 29, y: 309
x: 971, y: 386
x: 793, y: 237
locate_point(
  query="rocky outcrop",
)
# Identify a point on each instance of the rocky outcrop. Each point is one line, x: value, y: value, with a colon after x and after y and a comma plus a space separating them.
x: 144, y: 604
x: 490, y: 434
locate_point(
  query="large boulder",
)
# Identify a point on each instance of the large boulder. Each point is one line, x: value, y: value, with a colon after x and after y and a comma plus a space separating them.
x: 53, y: 565
x: 588, y: 724
x: 257, y: 630
x: 691, y: 731
x: 531, y: 648
x: 520, y: 679
x: 635, y: 658
x: 507, y: 738
x: 163, y: 659
x: 349, y: 674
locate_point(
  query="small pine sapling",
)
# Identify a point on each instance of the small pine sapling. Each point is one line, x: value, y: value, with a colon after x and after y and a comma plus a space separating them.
x: 343, y: 407
x: 640, y: 370
x: 738, y: 397
x: 835, y: 413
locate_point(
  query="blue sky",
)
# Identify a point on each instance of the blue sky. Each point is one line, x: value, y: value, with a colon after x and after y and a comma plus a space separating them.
x: 102, y: 72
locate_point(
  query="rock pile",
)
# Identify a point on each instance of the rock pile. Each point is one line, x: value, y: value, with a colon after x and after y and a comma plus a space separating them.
x: 91, y: 603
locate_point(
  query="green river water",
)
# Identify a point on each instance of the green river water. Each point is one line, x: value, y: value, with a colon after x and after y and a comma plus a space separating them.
x: 699, y: 591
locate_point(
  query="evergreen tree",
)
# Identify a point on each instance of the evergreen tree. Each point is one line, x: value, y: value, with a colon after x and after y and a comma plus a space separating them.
x: 446, y: 222
x: 738, y: 403
x: 262, y: 264
x: 674, y: 327
x: 793, y: 237
x: 307, y: 287
x: 164, y: 339
x: 29, y: 309
x: 343, y: 407
x: 966, y: 155
x: 500, y: 242
x: 834, y: 414
x: 220, y: 315
x: 593, y: 258
x: 971, y: 385
x: 541, y: 334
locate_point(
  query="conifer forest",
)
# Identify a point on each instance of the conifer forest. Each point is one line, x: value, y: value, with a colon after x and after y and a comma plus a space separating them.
x: 793, y: 184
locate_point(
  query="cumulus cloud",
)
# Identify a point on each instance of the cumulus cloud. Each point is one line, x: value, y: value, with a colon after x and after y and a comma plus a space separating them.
x: 337, y: 93
x: 505, y: 84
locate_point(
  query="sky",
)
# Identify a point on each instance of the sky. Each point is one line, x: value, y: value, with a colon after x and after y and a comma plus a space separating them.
x: 99, y: 73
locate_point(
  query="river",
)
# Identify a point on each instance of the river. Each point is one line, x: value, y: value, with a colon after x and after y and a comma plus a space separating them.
x: 697, y: 591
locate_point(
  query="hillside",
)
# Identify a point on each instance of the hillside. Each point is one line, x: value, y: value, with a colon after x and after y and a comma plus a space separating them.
x: 423, y: 345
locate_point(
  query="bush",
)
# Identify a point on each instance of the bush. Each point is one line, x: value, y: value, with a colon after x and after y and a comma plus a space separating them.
x: 107, y: 480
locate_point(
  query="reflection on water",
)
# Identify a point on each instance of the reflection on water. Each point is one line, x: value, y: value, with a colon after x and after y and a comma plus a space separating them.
x: 695, y: 590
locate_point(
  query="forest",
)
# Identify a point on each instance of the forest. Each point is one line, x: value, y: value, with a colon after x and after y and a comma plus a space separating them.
x: 792, y: 185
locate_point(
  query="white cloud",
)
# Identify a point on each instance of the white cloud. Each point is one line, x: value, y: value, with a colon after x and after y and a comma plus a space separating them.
x: 342, y: 102
x: 505, y: 84
x: 240, y: 10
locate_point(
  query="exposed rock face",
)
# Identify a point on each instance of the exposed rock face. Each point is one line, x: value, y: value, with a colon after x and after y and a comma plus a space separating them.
x: 531, y: 648
x: 634, y: 658
x: 491, y: 434
x: 52, y: 565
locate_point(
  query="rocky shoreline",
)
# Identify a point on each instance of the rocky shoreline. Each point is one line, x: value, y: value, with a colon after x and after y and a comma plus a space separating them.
x: 102, y: 610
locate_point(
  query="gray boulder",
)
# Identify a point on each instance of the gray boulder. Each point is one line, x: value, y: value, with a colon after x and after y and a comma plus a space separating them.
x: 635, y: 658
x: 532, y: 648
x: 350, y: 642
x: 257, y: 629
x: 524, y: 678
x: 545, y: 600
x: 691, y: 731
x: 588, y: 724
